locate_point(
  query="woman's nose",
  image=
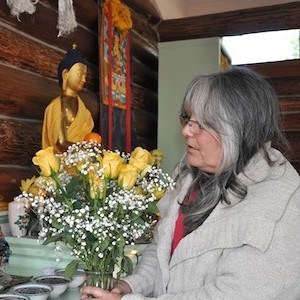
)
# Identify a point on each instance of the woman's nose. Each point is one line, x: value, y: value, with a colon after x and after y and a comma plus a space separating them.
x: 186, y: 131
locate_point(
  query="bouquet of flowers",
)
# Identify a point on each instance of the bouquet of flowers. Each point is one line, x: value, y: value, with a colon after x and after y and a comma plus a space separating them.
x: 96, y: 201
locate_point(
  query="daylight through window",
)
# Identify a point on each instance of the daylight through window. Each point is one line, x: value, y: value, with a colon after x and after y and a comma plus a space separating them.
x: 262, y: 47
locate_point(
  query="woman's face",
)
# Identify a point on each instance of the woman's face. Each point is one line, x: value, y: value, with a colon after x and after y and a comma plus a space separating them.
x: 203, y: 147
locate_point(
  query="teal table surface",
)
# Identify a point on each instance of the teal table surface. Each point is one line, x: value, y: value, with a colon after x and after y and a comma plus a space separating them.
x: 30, y: 257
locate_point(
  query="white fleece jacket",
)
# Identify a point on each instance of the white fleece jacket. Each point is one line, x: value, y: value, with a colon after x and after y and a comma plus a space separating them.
x: 248, y: 250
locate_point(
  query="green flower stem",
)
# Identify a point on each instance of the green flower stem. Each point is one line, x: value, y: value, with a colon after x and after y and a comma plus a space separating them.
x: 61, y: 188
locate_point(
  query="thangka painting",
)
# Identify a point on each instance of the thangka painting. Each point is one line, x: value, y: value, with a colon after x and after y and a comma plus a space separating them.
x: 115, y: 58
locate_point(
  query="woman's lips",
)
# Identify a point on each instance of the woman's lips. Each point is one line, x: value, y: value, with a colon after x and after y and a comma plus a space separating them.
x: 190, y: 148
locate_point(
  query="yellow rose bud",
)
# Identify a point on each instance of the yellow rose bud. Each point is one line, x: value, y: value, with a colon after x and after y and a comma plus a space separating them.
x: 112, y: 162
x: 140, y: 165
x: 97, y: 185
x: 46, y: 160
x: 127, y: 176
x: 158, y: 193
x: 158, y: 156
x: 25, y: 184
x: 142, y: 155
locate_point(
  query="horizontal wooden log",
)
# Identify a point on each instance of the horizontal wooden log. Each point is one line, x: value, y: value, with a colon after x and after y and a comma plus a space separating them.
x: 20, y: 139
x: 143, y: 28
x: 286, y: 86
x: 294, y: 140
x: 286, y: 68
x: 290, y: 104
x: 10, y: 179
x: 143, y: 75
x: 42, y: 26
x: 146, y: 142
x: 277, y: 17
x: 146, y: 8
x: 144, y: 99
x: 144, y: 51
x: 25, y: 53
x: 291, y: 121
x: 296, y: 165
x: 144, y: 123
x: 26, y: 95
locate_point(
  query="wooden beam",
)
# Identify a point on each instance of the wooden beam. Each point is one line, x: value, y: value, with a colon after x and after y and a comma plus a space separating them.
x: 277, y: 69
x: 146, y: 9
x: 277, y: 17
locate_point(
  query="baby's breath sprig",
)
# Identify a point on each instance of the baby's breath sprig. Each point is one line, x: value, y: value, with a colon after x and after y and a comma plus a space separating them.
x: 98, y: 201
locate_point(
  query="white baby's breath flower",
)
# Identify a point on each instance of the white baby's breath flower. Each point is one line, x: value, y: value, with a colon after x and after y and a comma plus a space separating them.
x: 95, y: 227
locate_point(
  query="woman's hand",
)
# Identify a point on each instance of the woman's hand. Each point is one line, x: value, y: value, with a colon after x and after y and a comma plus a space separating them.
x: 122, y: 288
x: 91, y: 292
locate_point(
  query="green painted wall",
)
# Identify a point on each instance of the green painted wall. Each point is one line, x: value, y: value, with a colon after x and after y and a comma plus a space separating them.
x: 179, y: 62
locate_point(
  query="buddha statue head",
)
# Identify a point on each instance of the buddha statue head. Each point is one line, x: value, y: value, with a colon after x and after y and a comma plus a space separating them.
x: 72, y: 71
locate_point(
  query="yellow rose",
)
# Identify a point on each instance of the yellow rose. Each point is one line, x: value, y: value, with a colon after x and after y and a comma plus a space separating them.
x: 37, y: 188
x: 112, y: 162
x: 158, y: 193
x: 127, y: 176
x: 97, y: 185
x: 25, y: 184
x: 140, y: 165
x: 141, y: 159
x: 143, y: 155
x: 46, y: 160
x: 139, y: 191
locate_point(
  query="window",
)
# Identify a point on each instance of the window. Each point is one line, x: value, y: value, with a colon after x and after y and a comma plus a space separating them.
x: 262, y: 47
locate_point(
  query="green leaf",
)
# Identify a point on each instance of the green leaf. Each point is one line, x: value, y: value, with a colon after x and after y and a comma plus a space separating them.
x: 127, y: 265
x: 72, y: 185
x: 104, y: 245
x: 71, y: 268
x: 77, y: 205
x: 152, y: 207
x: 139, y: 220
x: 59, y: 198
x: 90, y: 238
x: 55, y: 224
x: 121, y: 246
x: 53, y: 239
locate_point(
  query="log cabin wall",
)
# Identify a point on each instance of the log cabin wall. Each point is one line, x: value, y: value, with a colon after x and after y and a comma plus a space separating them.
x: 30, y: 52
x: 284, y: 76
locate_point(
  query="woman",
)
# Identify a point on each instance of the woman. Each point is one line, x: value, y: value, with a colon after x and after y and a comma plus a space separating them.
x: 231, y: 228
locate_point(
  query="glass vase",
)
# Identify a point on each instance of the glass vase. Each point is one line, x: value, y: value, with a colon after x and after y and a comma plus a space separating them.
x: 105, y: 281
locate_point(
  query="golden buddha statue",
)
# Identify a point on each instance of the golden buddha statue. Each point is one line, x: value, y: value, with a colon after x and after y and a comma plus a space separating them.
x: 66, y: 119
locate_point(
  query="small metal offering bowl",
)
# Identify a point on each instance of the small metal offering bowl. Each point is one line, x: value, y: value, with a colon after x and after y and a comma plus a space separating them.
x: 58, y: 283
x: 34, y: 291
x: 76, y: 281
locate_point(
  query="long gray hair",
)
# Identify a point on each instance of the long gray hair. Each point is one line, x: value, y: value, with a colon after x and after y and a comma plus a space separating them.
x: 243, y: 109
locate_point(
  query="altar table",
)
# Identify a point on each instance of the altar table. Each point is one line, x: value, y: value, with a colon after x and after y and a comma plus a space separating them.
x: 31, y: 258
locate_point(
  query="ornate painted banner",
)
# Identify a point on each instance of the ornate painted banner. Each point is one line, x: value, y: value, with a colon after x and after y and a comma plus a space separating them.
x: 115, y: 63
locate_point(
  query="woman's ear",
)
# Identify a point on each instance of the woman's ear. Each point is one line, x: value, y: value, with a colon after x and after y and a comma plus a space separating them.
x: 64, y: 76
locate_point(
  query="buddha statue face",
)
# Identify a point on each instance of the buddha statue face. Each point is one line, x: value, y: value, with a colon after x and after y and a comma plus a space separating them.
x: 74, y: 79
